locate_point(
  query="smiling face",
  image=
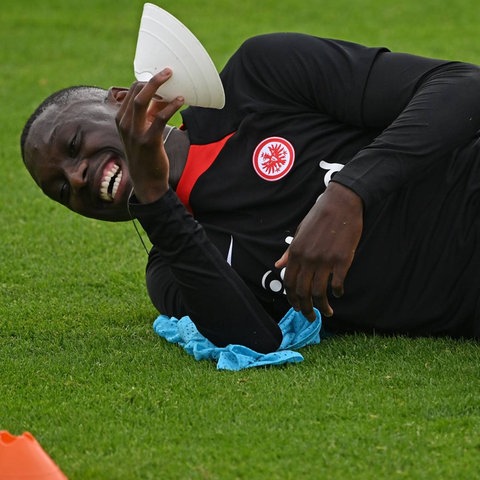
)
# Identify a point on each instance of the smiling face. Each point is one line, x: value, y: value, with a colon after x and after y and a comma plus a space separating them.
x: 75, y: 154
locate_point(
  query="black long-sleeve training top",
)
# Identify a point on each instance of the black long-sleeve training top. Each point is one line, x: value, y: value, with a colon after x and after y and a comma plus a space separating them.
x: 401, y: 131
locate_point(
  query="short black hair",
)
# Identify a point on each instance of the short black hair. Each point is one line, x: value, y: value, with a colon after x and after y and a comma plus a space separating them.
x: 60, y: 97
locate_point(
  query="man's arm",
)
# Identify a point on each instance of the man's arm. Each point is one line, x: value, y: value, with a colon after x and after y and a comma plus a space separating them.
x: 204, y: 286
x: 442, y: 115
x: 323, y: 250
x: 200, y: 282
x: 425, y: 112
x: 425, y: 108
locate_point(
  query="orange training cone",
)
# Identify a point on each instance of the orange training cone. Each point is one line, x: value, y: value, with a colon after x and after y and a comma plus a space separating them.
x: 22, y: 458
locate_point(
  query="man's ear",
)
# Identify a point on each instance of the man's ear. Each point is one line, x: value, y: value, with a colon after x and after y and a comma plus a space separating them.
x: 117, y: 94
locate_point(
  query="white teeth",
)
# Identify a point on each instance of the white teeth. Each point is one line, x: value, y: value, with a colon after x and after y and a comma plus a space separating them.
x: 106, y: 181
x: 116, y: 184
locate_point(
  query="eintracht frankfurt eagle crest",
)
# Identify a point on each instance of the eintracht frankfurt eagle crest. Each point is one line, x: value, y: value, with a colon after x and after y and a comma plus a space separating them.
x: 273, y: 158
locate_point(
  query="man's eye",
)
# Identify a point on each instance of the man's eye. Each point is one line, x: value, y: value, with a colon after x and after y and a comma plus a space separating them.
x: 73, y: 146
x: 65, y: 193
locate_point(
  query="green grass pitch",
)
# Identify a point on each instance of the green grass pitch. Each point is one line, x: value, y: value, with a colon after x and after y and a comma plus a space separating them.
x: 80, y: 366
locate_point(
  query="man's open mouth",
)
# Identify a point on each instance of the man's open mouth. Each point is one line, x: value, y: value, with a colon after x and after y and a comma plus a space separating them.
x: 110, y: 183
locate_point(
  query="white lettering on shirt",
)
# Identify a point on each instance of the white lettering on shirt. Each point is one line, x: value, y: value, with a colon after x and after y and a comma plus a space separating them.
x: 331, y: 168
x: 271, y: 281
x: 230, y: 251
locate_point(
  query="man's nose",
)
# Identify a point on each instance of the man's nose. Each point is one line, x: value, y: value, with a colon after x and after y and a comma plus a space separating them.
x: 77, y: 175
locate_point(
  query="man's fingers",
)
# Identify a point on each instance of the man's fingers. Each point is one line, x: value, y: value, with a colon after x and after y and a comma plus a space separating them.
x: 340, y: 271
x: 149, y: 89
x: 124, y: 112
x: 290, y: 284
x: 319, y: 294
x: 298, y: 282
x: 306, y: 287
x: 155, y: 106
x: 304, y: 292
x: 337, y: 285
x: 142, y: 102
x: 283, y: 260
x: 164, y: 114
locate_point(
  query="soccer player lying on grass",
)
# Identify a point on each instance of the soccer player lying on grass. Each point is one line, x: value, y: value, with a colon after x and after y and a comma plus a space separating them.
x: 337, y: 175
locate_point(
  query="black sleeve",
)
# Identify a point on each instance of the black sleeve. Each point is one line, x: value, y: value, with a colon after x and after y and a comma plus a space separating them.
x: 162, y: 287
x: 426, y: 111
x: 187, y: 275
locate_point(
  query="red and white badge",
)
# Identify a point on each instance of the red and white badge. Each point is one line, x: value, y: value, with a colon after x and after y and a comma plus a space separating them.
x: 273, y: 158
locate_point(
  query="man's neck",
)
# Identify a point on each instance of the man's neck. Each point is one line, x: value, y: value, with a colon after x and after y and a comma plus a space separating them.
x: 177, y: 145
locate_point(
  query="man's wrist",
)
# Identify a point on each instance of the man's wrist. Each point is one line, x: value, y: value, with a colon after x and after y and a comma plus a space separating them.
x: 345, y: 194
x: 150, y: 194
